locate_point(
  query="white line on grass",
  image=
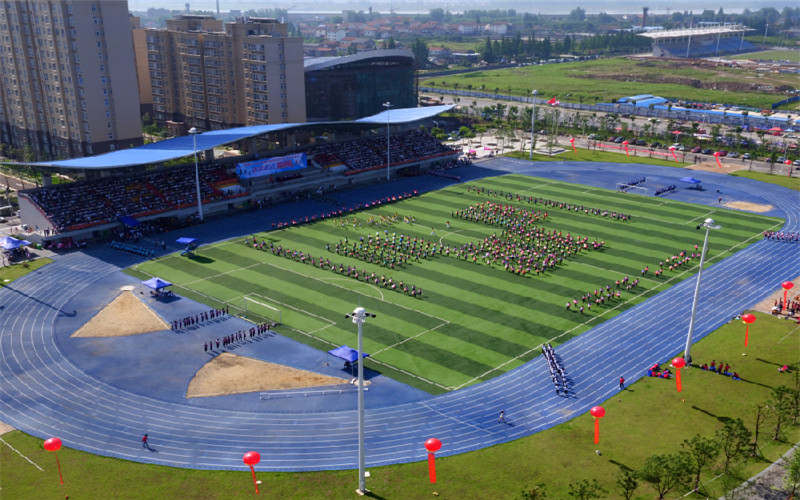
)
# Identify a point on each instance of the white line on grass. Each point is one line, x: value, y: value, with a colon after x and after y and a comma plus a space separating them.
x: 223, y: 273
x: 407, y: 339
x: 23, y: 456
x: 790, y: 332
x: 707, y: 214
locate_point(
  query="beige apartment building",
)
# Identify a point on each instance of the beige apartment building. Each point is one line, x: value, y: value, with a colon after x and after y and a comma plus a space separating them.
x: 67, y: 78
x: 200, y: 73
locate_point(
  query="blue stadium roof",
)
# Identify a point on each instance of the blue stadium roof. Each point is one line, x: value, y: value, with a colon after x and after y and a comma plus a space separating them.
x: 180, y: 147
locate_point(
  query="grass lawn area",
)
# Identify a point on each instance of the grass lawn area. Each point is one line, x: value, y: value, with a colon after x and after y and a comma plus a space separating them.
x: 605, y: 79
x: 475, y: 319
x: 775, y: 55
x: 648, y: 418
x: 594, y: 155
x: 14, y: 271
x: 781, y: 180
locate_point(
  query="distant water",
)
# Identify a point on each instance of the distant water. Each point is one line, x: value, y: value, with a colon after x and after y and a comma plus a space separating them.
x: 423, y: 7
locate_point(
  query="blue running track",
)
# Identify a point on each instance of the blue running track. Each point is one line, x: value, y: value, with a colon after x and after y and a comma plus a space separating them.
x: 93, y: 402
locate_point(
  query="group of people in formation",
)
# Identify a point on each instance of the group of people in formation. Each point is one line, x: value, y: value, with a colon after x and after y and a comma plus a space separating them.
x: 789, y: 236
x: 557, y: 372
x: 721, y: 368
x: 601, y: 296
x: 563, y: 205
x: 326, y: 264
x: 196, y: 319
x: 667, y: 189
x: 389, y: 251
x: 235, y: 339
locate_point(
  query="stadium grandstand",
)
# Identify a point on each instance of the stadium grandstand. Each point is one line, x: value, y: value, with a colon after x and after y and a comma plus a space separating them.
x: 282, y: 162
x: 706, y: 40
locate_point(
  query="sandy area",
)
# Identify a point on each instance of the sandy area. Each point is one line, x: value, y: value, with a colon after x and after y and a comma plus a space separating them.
x: 5, y: 428
x: 765, y: 305
x: 231, y: 374
x: 751, y: 207
x: 711, y: 166
x: 125, y: 315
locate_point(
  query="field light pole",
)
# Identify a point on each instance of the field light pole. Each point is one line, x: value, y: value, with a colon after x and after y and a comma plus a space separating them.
x: 708, y: 224
x: 533, y: 117
x: 194, y: 133
x: 388, y: 106
x: 359, y: 315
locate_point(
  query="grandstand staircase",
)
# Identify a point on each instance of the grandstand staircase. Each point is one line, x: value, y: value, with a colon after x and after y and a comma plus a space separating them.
x: 157, y: 193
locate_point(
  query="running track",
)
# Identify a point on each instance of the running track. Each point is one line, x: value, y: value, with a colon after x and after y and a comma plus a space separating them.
x: 42, y: 392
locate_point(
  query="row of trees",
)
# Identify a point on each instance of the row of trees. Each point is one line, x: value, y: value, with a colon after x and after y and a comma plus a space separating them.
x: 725, y: 453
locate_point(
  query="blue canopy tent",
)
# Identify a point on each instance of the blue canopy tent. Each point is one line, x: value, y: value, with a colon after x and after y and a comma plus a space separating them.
x: 348, y: 354
x: 191, y: 245
x: 690, y: 180
x: 11, y: 243
x: 156, y: 283
x: 129, y: 221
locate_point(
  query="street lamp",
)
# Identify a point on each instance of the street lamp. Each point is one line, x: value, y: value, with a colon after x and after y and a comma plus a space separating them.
x: 388, y: 106
x: 194, y: 133
x: 708, y: 224
x: 359, y: 315
x: 533, y: 117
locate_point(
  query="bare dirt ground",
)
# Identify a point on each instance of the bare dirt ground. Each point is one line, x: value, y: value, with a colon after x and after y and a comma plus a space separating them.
x: 766, y: 305
x: 231, y: 374
x: 5, y: 428
x: 125, y: 315
x: 711, y: 166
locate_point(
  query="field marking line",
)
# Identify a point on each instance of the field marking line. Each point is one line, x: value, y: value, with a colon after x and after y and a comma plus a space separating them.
x: 330, y: 322
x: 790, y: 332
x: 707, y: 214
x: 363, y: 283
x: 408, y: 338
x: 446, y: 234
x: 611, y: 271
x: 461, y: 422
x: 20, y: 454
x: 357, y: 292
x: 431, y: 382
x: 222, y: 274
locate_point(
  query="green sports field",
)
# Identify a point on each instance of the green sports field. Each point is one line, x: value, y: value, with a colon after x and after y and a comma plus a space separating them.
x: 474, y: 319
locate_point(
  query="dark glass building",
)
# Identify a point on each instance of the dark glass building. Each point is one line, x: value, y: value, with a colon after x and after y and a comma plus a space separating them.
x: 352, y: 87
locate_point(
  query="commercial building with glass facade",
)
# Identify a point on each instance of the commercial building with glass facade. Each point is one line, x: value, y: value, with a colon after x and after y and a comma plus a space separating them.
x: 352, y: 87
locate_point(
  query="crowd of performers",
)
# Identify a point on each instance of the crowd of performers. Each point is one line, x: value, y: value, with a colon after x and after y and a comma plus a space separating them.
x: 792, y: 307
x: 534, y: 200
x: 789, y: 237
x: 326, y: 264
x: 522, y: 247
x: 344, y: 210
x: 601, y: 296
x: 236, y: 339
x: 634, y: 182
x: 196, y: 319
x: 671, y: 187
x: 389, y: 251
x: 557, y: 372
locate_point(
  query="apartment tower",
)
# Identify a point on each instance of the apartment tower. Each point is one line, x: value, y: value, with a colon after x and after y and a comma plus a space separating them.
x: 67, y: 78
x: 200, y: 73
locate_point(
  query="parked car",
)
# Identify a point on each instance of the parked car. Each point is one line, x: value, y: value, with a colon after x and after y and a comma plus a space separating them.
x: 640, y: 142
x: 707, y: 151
x: 619, y: 140
x: 722, y: 152
x: 796, y: 163
x: 746, y: 156
x: 733, y: 154
x: 781, y: 159
x: 592, y: 136
x: 696, y: 149
x: 655, y: 144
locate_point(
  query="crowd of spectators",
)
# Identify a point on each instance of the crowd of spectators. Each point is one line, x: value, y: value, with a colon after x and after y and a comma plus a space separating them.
x: 370, y: 152
x: 557, y: 372
x: 83, y: 204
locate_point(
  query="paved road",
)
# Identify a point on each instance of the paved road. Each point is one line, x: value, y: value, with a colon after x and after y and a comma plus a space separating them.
x: 43, y: 392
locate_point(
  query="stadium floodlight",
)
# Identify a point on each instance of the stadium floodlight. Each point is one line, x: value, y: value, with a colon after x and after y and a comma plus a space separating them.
x: 708, y: 224
x: 533, y: 117
x: 388, y: 106
x: 194, y: 133
x: 359, y: 315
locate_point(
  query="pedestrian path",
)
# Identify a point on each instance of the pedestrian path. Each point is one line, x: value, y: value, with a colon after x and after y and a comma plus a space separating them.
x: 45, y: 391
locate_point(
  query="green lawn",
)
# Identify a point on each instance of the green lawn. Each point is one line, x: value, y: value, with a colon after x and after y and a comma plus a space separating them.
x: 14, y: 271
x: 475, y: 320
x: 779, y: 179
x: 649, y: 418
x: 605, y: 79
x: 775, y: 55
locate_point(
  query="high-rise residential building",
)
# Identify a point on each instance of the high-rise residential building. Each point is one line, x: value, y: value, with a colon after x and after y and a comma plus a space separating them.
x: 200, y: 73
x: 67, y: 77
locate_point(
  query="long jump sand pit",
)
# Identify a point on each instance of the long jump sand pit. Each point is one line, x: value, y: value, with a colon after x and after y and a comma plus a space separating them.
x: 750, y: 207
x: 125, y: 315
x: 231, y: 374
